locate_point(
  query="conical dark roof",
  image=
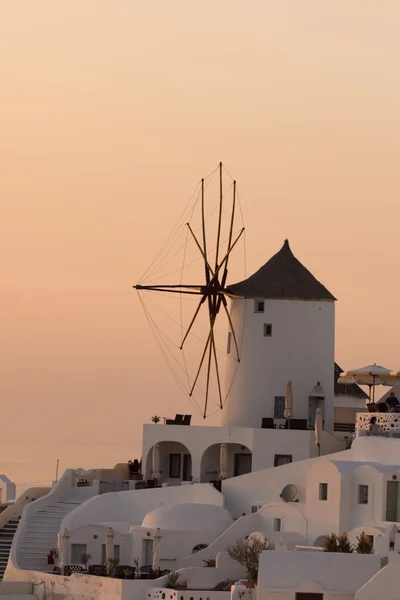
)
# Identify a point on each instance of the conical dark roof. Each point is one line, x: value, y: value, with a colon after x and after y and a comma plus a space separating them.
x: 282, y: 277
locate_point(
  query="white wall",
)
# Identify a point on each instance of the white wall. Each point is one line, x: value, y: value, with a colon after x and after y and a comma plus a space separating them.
x: 7, y: 489
x: 65, y: 489
x: 94, y: 538
x: 132, y: 506
x: 203, y: 444
x: 85, y: 587
x: 301, y: 348
x: 331, y: 574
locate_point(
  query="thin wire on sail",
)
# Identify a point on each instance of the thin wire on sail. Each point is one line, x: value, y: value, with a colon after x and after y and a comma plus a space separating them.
x: 153, y: 267
x: 146, y: 292
x: 166, y: 254
x: 164, y: 260
x: 165, y: 356
x: 155, y: 328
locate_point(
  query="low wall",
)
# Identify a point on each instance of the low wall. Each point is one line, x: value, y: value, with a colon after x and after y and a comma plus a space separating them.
x: 14, y: 510
x: 155, y: 593
x: 47, y: 586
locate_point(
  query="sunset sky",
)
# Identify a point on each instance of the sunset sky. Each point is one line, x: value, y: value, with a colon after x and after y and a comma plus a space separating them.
x: 110, y: 113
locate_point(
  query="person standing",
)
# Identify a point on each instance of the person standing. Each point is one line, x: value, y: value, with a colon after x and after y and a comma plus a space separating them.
x: 392, y: 402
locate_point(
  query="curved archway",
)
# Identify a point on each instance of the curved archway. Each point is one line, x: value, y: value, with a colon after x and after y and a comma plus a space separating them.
x: 175, y: 463
x: 239, y: 462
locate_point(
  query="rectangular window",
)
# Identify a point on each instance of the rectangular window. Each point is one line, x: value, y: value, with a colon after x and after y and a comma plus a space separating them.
x: 282, y: 459
x: 362, y: 494
x: 254, y: 509
x: 76, y: 552
x: 323, y: 491
x: 277, y: 524
x: 175, y: 466
x: 279, y: 407
x: 228, y: 349
x: 259, y: 306
x: 267, y: 330
x: 116, y: 553
x: 371, y: 539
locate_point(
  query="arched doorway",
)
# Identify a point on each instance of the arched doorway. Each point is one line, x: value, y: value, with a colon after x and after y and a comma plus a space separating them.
x: 239, y: 462
x: 175, y: 463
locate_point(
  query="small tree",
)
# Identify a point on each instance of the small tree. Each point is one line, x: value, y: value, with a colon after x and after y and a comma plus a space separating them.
x: 363, y: 545
x: 344, y: 544
x: 247, y: 553
x: 85, y: 559
x: 331, y: 543
x: 155, y: 419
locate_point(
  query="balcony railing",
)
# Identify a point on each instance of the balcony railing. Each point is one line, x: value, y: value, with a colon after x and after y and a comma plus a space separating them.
x: 344, y: 427
x: 388, y: 423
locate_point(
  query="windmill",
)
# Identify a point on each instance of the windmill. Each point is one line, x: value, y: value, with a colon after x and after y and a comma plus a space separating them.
x: 212, y: 291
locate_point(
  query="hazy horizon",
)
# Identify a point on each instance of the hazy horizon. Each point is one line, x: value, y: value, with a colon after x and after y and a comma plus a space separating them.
x: 110, y: 115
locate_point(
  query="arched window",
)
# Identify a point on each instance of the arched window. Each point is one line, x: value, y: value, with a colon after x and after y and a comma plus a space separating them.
x: 199, y: 547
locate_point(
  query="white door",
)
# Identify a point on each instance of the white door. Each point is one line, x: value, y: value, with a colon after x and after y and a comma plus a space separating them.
x: 147, y: 553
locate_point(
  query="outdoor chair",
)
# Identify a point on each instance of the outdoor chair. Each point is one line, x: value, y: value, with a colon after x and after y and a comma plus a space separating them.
x: 186, y: 419
x: 267, y: 423
x: 98, y: 570
x: 125, y: 572
x: 69, y: 569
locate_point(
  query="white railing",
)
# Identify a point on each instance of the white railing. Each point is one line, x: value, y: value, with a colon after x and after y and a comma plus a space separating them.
x: 388, y: 423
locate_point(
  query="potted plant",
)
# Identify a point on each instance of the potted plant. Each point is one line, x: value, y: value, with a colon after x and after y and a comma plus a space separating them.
x: 172, y: 579
x: 128, y: 572
x: 182, y: 584
x: 85, y: 559
x: 155, y: 419
x: 209, y: 562
x: 363, y: 545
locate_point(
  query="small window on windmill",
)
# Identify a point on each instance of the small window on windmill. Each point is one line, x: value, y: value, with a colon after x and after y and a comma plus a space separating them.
x: 362, y: 494
x: 277, y: 525
x: 259, y: 306
x: 228, y: 348
x: 267, y: 330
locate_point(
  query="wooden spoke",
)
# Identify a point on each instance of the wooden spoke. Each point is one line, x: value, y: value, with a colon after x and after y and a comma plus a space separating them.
x: 193, y: 320
x: 219, y: 217
x: 230, y: 234
x: 201, y: 363
x: 200, y: 248
x: 160, y: 289
x: 203, y: 226
x: 208, y: 374
x: 217, y: 370
x: 224, y: 260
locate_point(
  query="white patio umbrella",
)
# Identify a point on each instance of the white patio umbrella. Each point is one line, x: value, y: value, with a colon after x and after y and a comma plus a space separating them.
x: 288, y: 412
x: 318, y: 429
x: 110, y: 544
x: 156, y: 542
x: 156, y: 461
x: 371, y: 375
x: 63, y: 548
x: 223, y: 461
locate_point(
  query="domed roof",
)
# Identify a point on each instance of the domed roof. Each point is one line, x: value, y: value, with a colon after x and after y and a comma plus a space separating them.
x: 189, y: 517
x: 282, y: 277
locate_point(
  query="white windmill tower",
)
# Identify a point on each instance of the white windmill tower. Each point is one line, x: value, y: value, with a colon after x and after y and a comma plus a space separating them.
x: 286, y: 320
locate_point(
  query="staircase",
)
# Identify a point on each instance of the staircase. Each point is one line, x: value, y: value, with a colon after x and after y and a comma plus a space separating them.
x: 41, y: 535
x: 6, y: 537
